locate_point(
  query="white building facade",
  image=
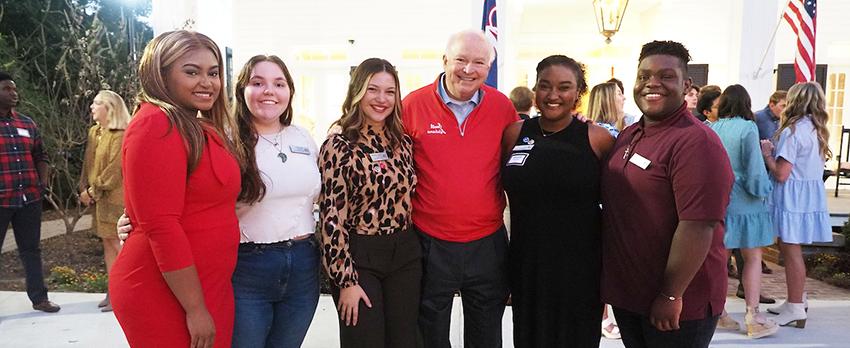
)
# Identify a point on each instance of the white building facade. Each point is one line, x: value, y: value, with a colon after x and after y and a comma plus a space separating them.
x: 320, y: 40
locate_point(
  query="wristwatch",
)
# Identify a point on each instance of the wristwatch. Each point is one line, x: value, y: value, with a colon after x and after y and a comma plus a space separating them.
x: 669, y: 298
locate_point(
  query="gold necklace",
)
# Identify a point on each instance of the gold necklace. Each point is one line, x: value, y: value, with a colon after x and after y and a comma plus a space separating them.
x: 546, y: 133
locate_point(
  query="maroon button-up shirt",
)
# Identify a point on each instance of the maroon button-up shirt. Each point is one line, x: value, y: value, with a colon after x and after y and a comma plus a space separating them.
x: 688, y: 177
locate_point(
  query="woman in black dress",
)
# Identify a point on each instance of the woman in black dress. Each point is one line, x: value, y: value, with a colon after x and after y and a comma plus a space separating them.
x: 551, y: 175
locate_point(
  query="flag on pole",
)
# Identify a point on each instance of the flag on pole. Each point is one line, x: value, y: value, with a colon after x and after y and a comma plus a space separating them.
x: 801, y: 15
x: 491, y: 30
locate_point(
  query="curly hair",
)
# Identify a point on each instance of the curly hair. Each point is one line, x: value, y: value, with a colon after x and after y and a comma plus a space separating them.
x: 577, y: 68
x: 667, y: 48
x: 807, y: 99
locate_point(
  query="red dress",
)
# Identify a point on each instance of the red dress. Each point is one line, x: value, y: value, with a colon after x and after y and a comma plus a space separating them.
x: 177, y: 223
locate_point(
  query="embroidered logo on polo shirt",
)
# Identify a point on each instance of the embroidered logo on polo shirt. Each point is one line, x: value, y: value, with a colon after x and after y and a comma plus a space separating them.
x: 436, y: 129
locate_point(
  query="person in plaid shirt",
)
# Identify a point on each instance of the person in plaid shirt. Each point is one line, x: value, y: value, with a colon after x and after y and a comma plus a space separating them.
x: 23, y: 174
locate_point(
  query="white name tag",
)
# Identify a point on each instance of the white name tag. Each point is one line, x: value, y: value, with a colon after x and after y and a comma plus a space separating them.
x: 639, y: 161
x: 299, y: 149
x: 23, y: 132
x: 517, y: 159
x: 379, y: 156
x: 523, y: 147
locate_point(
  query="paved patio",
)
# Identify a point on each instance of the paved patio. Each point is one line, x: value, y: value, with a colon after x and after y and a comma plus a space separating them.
x: 80, y: 324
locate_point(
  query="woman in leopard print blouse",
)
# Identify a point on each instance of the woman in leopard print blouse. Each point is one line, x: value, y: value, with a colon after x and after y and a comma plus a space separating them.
x: 369, y: 252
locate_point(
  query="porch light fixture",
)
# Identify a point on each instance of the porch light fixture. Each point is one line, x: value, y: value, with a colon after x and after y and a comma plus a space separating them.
x: 609, y: 16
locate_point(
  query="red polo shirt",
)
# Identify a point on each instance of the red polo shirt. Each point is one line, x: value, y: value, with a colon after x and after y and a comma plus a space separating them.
x: 459, y: 195
x: 688, y: 177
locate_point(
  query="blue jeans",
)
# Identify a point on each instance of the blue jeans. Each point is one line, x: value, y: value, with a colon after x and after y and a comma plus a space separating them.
x: 277, y: 290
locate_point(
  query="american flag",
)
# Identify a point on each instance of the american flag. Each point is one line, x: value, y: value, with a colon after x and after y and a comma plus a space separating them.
x: 800, y: 14
x: 491, y: 30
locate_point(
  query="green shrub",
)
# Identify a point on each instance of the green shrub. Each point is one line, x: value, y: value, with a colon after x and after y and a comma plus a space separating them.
x: 831, y: 268
x: 840, y: 280
x: 66, y: 278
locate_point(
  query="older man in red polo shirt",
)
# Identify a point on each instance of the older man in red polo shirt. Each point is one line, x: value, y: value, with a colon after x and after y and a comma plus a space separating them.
x: 456, y: 125
x: 665, y: 190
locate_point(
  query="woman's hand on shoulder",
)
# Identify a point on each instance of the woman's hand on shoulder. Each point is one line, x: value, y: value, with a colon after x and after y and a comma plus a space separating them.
x: 509, y: 138
x: 601, y: 141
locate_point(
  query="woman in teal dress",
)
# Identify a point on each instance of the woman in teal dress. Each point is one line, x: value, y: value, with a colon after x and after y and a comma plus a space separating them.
x: 749, y: 224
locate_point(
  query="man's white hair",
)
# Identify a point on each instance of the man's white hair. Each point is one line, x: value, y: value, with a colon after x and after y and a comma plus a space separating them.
x: 471, y: 33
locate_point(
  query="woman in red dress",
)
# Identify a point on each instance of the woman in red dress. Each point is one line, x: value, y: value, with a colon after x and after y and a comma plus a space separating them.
x: 170, y: 285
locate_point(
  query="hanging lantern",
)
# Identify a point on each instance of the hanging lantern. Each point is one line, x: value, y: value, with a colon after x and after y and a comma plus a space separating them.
x: 609, y: 16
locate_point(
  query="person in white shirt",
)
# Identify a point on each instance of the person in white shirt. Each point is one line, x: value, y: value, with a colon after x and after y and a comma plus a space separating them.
x: 276, y: 281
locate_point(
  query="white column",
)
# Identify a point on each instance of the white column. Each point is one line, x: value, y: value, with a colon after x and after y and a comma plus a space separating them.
x: 757, y: 22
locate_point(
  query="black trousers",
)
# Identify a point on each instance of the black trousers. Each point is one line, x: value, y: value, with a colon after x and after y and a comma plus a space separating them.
x: 26, y: 224
x: 638, y: 332
x: 476, y: 269
x: 389, y: 270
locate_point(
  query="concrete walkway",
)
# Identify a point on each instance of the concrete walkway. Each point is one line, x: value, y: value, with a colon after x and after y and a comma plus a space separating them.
x: 81, y: 324
x: 49, y: 229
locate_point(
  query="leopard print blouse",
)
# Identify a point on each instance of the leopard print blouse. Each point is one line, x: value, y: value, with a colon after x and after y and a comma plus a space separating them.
x: 361, y: 194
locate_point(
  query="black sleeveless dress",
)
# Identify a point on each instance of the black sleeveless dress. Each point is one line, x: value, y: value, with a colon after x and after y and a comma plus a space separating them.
x: 554, y: 258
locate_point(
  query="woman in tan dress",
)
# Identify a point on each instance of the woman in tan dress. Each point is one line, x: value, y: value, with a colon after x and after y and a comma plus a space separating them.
x: 101, y: 180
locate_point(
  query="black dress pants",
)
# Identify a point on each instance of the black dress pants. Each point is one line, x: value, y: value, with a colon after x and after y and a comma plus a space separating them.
x: 638, y: 332
x: 476, y: 269
x: 389, y: 269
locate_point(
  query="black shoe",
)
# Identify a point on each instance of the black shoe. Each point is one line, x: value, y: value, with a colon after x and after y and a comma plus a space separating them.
x: 104, y: 302
x: 766, y: 300
x: 46, y: 306
x: 762, y: 298
x: 765, y: 269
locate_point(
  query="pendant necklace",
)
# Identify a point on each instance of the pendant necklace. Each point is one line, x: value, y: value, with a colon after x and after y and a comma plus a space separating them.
x: 546, y: 133
x: 276, y: 144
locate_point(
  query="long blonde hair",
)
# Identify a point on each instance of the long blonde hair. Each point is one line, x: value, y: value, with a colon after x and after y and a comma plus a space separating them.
x: 159, y: 56
x: 353, y: 119
x: 116, y: 110
x: 603, y: 105
x: 804, y: 99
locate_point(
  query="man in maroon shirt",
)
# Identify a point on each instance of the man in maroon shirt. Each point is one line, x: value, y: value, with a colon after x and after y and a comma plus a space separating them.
x: 665, y: 189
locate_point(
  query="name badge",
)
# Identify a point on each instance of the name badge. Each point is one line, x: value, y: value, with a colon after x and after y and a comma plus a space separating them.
x: 639, y: 161
x: 379, y: 156
x: 23, y: 132
x: 523, y: 147
x: 299, y: 149
x: 517, y: 159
